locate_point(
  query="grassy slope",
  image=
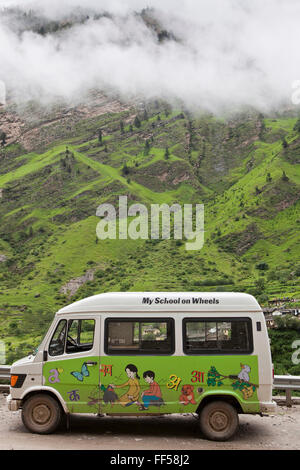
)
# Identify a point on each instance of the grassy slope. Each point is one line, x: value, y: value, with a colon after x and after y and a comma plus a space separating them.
x: 49, y: 204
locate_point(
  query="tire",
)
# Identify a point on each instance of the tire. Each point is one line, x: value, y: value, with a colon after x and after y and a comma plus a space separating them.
x: 218, y: 421
x: 41, y: 414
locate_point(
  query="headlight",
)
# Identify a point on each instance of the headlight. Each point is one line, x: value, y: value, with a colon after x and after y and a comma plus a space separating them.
x: 17, y: 380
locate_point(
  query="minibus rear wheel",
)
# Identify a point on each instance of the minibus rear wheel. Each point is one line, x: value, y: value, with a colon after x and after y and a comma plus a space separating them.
x: 218, y: 420
x: 41, y: 414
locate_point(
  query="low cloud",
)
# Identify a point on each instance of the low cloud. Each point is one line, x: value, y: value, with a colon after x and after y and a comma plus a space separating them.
x: 226, y: 53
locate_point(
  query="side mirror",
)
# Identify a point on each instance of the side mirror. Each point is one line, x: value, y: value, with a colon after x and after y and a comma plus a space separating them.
x: 45, y: 356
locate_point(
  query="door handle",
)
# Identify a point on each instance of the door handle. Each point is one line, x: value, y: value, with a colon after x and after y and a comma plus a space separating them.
x: 91, y: 363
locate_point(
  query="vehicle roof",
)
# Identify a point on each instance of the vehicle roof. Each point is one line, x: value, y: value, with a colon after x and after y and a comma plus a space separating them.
x: 164, y: 301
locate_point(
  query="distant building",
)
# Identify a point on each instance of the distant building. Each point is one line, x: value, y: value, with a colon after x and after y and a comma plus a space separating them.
x: 290, y: 311
x: 280, y: 302
x: 271, y: 313
x: 270, y: 321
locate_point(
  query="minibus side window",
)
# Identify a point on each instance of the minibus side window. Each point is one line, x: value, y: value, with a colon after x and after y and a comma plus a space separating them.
x: 217, y: 336
x: 57, y: 343
x: 139, y: 336
x: 80, y: 335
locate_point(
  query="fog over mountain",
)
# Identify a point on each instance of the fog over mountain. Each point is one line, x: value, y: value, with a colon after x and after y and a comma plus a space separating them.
x: 213, y: 54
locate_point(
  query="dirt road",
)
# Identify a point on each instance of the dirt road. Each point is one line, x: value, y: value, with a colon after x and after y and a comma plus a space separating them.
x: 278, y: 431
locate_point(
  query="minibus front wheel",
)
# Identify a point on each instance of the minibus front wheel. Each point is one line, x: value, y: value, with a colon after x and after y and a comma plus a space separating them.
x: 41, y: 413
x: 218, y: 420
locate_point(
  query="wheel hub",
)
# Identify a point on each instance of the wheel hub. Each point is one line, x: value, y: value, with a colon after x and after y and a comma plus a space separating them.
x: 41, y: 414
x: 219, y: 421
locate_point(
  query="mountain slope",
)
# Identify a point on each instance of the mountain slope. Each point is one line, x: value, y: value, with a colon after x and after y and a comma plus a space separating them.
x: 239, y: 167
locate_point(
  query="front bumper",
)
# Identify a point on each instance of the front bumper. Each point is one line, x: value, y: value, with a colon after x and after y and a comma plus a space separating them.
x: 12, y: 404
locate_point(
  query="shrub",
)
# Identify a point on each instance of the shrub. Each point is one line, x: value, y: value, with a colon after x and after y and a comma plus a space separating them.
x: 262, y: 266
x: 287, y: 322
x: 297, y: 271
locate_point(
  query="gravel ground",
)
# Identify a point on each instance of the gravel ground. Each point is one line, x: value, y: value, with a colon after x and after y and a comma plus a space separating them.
x: 278, y: 431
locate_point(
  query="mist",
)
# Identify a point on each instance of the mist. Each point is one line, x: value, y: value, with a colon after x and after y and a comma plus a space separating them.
x: 218, y: 54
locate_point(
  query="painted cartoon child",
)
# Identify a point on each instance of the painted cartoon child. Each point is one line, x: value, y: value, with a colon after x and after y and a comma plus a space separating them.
x: 133, y: 393
x: 153, y: 394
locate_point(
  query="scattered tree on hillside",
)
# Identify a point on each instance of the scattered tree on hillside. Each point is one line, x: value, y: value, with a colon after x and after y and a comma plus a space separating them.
x: 125, y: 170
x: 284, y: 143
x: 163, y: 35
x: 122, y: 127
x: 147, y: 147
x: 262, y: 266
x: 168, y: 110
x: 297, y: 126
x: 260, y: 285
x: 230, y: 133
x: 137, y: 122
x: 42, y: 31
x: 262, y: 125
x: 100, y: 136
x: 284, y: 176
x: 167, y: 153
x: 3, y: 138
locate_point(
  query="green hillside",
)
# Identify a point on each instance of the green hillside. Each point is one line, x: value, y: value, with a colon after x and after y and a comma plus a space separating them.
x: 244, y: 169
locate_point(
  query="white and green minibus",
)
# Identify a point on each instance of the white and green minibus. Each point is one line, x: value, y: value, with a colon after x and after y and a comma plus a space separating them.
x: 149, y: 353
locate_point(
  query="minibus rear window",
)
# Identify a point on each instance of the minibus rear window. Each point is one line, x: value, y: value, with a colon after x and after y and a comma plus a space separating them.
x: 139, y: 336
x: 217, y: 336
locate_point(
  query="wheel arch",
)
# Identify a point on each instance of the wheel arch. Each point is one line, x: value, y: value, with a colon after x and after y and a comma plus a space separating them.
x: 226, y: 397
x: 48, y: 391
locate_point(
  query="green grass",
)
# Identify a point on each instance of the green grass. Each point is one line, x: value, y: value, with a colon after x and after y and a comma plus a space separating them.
x: 48, y: 230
